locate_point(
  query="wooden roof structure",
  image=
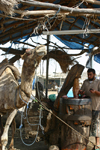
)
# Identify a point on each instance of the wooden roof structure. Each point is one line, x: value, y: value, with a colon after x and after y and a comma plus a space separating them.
x: 21, y: 19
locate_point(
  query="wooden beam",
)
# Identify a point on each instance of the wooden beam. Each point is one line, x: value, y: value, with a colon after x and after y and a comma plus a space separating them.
x: 15, y: 38
x: 77, y: 37
x: 73, y: 23
x: 68, y: 11
x: 82, y: 52
x: 18, y: 29
x: 35, y: 12
x: 81, y: 18
x: 13, y: 51
x: 15, y: 58
x: 92, y: 2
x: 13, y: 25
x: 17, y: 18
x: 62, y: 8
x: 47, y: 65
x: 25, y: 43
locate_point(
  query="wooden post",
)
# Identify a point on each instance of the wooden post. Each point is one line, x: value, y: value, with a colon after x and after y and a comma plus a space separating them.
x: 91, y: 61
x: 76, y: 87
x: 47, y: 65
x: 75, y: 71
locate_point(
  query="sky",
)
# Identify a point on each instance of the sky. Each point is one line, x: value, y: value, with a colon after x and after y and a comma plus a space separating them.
x: 53, y: 65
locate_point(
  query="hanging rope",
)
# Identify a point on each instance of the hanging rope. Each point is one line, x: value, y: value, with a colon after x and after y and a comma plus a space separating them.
x: 42, y: 25
x: 85, y: 26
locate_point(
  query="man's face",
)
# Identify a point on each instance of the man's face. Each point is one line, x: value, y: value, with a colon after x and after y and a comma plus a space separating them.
x: 91, y: 76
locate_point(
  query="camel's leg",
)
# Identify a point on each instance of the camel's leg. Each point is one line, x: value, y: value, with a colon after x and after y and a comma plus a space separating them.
x: 4, y: 137
x: 1, y: 131
x: 11, y: 146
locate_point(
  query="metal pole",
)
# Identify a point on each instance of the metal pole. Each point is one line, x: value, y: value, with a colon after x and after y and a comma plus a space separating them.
x: 47, y: 65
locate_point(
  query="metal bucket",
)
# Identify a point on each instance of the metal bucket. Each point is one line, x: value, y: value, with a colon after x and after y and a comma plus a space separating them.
x: 78, y: 114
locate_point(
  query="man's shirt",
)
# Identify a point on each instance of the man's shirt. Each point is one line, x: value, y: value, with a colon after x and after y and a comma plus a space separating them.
x: 87, y: 85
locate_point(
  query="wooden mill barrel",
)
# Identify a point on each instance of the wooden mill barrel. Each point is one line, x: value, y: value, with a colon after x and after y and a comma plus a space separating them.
x: 78, y: 114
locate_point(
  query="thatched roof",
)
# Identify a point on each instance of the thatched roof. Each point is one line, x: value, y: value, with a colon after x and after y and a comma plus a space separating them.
x: 7, y: 6
x: 32, y: 17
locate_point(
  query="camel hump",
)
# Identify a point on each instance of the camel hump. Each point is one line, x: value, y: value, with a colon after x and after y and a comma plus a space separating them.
x: 5, y: 64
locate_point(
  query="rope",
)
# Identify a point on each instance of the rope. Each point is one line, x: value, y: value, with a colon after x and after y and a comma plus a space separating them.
x: 85, y: 26
x: 56, y: 13
x: 39, y: 124
x: 43, y: 24
x: 77, y: 6
x: 64, y: 122
x: 21, y: 125
x: 23, y: 100
x: 21, y: 133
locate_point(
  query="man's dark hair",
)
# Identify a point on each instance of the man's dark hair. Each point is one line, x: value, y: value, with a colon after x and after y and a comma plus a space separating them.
x: 91, y: 70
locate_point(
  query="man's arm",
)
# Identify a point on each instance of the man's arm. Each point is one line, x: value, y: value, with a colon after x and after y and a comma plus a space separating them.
x: 95, y: 92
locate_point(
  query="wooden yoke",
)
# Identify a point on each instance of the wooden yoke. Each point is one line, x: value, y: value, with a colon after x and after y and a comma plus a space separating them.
x: 75, y: 72
x: 76, y: 87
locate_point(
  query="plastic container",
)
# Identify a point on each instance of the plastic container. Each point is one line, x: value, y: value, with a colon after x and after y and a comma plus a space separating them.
x: 52, y: 97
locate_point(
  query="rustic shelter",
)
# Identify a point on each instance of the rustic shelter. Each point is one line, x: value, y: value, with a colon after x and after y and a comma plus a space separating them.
x: 29, y: 18
x: 76, y: 22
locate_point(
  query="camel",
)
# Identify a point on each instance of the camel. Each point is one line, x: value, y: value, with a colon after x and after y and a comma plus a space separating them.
x: 14, y: 96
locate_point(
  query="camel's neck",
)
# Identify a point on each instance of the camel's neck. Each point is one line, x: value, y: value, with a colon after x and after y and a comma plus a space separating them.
x: 26, y: 81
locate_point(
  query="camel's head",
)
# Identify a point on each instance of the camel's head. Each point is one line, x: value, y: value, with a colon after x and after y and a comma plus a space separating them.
x: 32, y: 57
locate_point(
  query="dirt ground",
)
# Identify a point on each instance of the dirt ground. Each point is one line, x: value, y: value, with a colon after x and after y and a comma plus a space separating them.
x: 19, y: 145
x: 39, y: 145
x: 36, y: 146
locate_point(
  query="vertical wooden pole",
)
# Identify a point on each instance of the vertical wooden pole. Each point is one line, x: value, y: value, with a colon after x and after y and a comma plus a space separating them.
x: 91, y: 61
x: 1, y: 131
x: 47, y: 65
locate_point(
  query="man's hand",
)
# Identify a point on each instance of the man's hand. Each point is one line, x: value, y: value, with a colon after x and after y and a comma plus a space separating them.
x: 93, y: 91
x: 81, y: 92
